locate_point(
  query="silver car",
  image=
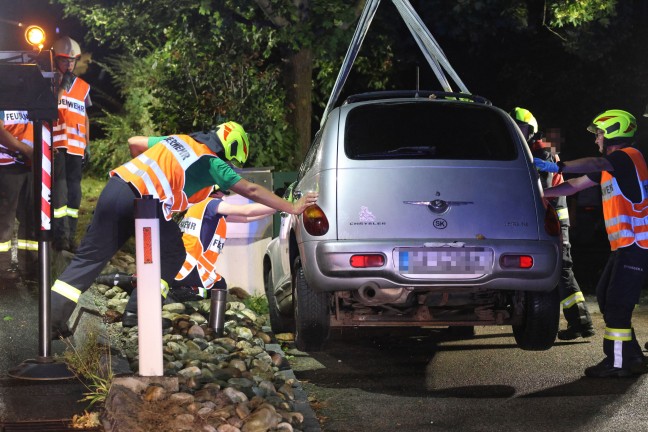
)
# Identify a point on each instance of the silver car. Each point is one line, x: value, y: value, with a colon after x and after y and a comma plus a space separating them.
x: 430, y: 213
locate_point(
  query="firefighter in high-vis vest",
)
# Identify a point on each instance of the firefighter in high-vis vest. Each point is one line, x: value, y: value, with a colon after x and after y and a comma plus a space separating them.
x: 204, y: 231
x: 71, y: 136
x: 622, y: 175
x: 179, y: 171
x: 17, y: 196
x: 579, y: 321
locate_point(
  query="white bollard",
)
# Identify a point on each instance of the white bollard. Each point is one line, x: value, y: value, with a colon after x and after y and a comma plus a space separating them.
x: 149, y: 303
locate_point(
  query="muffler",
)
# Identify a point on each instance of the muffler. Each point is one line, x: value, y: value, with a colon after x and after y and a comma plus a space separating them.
x: 370, y: 294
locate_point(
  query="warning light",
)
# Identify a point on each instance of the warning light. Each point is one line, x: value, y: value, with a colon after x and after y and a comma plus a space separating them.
x: 35, y: 36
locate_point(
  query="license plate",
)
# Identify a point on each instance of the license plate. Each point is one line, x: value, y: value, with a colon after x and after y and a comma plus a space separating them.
x: 445, y: 261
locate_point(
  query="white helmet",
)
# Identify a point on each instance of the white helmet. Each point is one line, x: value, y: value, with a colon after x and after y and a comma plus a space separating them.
x: 66, y: 47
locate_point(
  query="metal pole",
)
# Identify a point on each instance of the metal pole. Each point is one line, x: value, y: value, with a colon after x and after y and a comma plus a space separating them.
x: 217, y: 311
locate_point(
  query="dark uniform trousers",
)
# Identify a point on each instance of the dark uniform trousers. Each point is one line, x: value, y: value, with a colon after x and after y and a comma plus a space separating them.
x: 113, y: 223
x: 66, y: 195
x: 618, y: 293
x: 17, y: 202
x: 577, y: 314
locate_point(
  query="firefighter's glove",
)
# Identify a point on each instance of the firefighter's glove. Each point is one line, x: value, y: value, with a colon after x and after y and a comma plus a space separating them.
x: 545, y: 166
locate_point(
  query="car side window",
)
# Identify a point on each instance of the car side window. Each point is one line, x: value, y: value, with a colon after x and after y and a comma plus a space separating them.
x: 311, y: 155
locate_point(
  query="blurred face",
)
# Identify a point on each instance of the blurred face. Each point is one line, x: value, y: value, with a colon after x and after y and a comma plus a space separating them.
x: 65, y: 64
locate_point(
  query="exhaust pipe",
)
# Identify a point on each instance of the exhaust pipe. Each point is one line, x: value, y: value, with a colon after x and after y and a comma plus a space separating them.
x: 370, y: 294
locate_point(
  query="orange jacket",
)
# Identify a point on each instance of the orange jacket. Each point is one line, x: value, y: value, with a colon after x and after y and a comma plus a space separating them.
x: 18, y: 125
x: 69, y: 130
x: 160, y: 172
x: 626, y: 223
x: 200, y: 256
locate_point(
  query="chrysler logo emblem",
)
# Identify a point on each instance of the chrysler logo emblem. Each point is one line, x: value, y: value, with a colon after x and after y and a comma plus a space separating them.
x: 438, y: 206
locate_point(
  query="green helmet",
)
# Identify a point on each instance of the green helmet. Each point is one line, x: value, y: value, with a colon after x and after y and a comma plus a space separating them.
x: 523, y: 117
x: 614, y: 123
x: 236, y: 145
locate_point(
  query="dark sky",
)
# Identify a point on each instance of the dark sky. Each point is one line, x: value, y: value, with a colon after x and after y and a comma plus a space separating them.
x: 32, y: 12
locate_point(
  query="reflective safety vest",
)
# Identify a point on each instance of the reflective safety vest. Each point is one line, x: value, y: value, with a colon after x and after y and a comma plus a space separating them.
x: 160, y: 172
x: 18, y: 125
x: 69, y: 130
x: 626, y: 222
x: 202, y: 256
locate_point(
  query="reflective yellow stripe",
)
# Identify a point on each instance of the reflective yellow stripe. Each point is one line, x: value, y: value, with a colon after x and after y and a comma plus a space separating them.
x: 66, y: 290
x: 572, y: 300
x: 623, y: 335
x: 563, y: 213
x: 164, y: 288
x: 6, y: 246
x: 60, y: 212
x: 72, y: 212
x: 29, y: 245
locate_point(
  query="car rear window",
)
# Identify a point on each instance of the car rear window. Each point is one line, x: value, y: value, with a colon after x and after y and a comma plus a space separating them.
x: 427, y: 130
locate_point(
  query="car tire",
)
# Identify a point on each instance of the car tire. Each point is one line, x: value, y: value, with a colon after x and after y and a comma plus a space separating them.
x: 540, y: 323
x: 312, y: 320
x: 278, y: 322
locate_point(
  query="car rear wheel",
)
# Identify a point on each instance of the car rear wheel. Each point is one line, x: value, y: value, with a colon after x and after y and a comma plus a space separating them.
x: 278, y: 322
x: 312, y: 321
x: 540, y: 323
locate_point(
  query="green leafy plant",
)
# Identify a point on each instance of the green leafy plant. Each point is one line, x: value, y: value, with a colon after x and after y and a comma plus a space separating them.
x: 258, y: 304
x: 91, y: 364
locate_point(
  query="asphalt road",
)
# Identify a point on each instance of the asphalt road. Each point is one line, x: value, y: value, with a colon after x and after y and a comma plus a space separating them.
x: 426, y: 381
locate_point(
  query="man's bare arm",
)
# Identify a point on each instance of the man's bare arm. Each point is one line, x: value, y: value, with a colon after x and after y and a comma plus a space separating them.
x: 259, y: 194
x: 569, y: 187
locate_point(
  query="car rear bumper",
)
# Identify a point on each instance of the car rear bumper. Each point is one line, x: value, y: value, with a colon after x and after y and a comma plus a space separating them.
x: 333, y: 271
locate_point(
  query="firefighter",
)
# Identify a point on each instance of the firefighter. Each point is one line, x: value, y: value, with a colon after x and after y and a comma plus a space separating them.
x: 17, y: 195
x: 71, y: 136
x: 179, y: 171
x: 622, y: 174
x: 579, y: 321
x: 204, y: 231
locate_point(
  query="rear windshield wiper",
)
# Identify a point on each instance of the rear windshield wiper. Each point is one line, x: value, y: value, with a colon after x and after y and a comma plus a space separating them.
x: 402, y: 151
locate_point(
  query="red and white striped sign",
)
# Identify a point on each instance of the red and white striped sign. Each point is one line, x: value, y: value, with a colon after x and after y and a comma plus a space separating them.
x: 46, y: 182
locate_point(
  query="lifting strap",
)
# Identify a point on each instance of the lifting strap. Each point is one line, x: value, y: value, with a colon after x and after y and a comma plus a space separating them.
x: 424, y: 39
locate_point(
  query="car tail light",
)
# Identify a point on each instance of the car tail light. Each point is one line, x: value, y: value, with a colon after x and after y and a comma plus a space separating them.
x: 516, y: 261
x: 368, y: 260
x: 315, y: 220
x: 551, y: 222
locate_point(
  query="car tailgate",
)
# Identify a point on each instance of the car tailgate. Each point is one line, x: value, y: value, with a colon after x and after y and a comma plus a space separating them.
x: 384, y: 201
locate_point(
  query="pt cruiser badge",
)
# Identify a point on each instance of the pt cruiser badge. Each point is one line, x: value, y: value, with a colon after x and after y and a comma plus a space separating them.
x: 438, y: 206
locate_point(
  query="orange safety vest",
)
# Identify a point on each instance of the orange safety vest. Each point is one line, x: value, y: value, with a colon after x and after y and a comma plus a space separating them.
x: 17, y: 124
x: 160, y: 172
x: 626, y: 222
x: 200, y: 256
x: 69, y: 130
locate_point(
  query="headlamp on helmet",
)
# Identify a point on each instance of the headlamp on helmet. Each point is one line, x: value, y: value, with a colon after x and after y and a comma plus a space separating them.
x: 525, y: 120
x: 236, y: 145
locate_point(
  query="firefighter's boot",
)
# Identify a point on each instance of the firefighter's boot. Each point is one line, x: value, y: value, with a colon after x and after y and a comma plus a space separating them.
x: 125, y: 281
x: 579, y: 323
